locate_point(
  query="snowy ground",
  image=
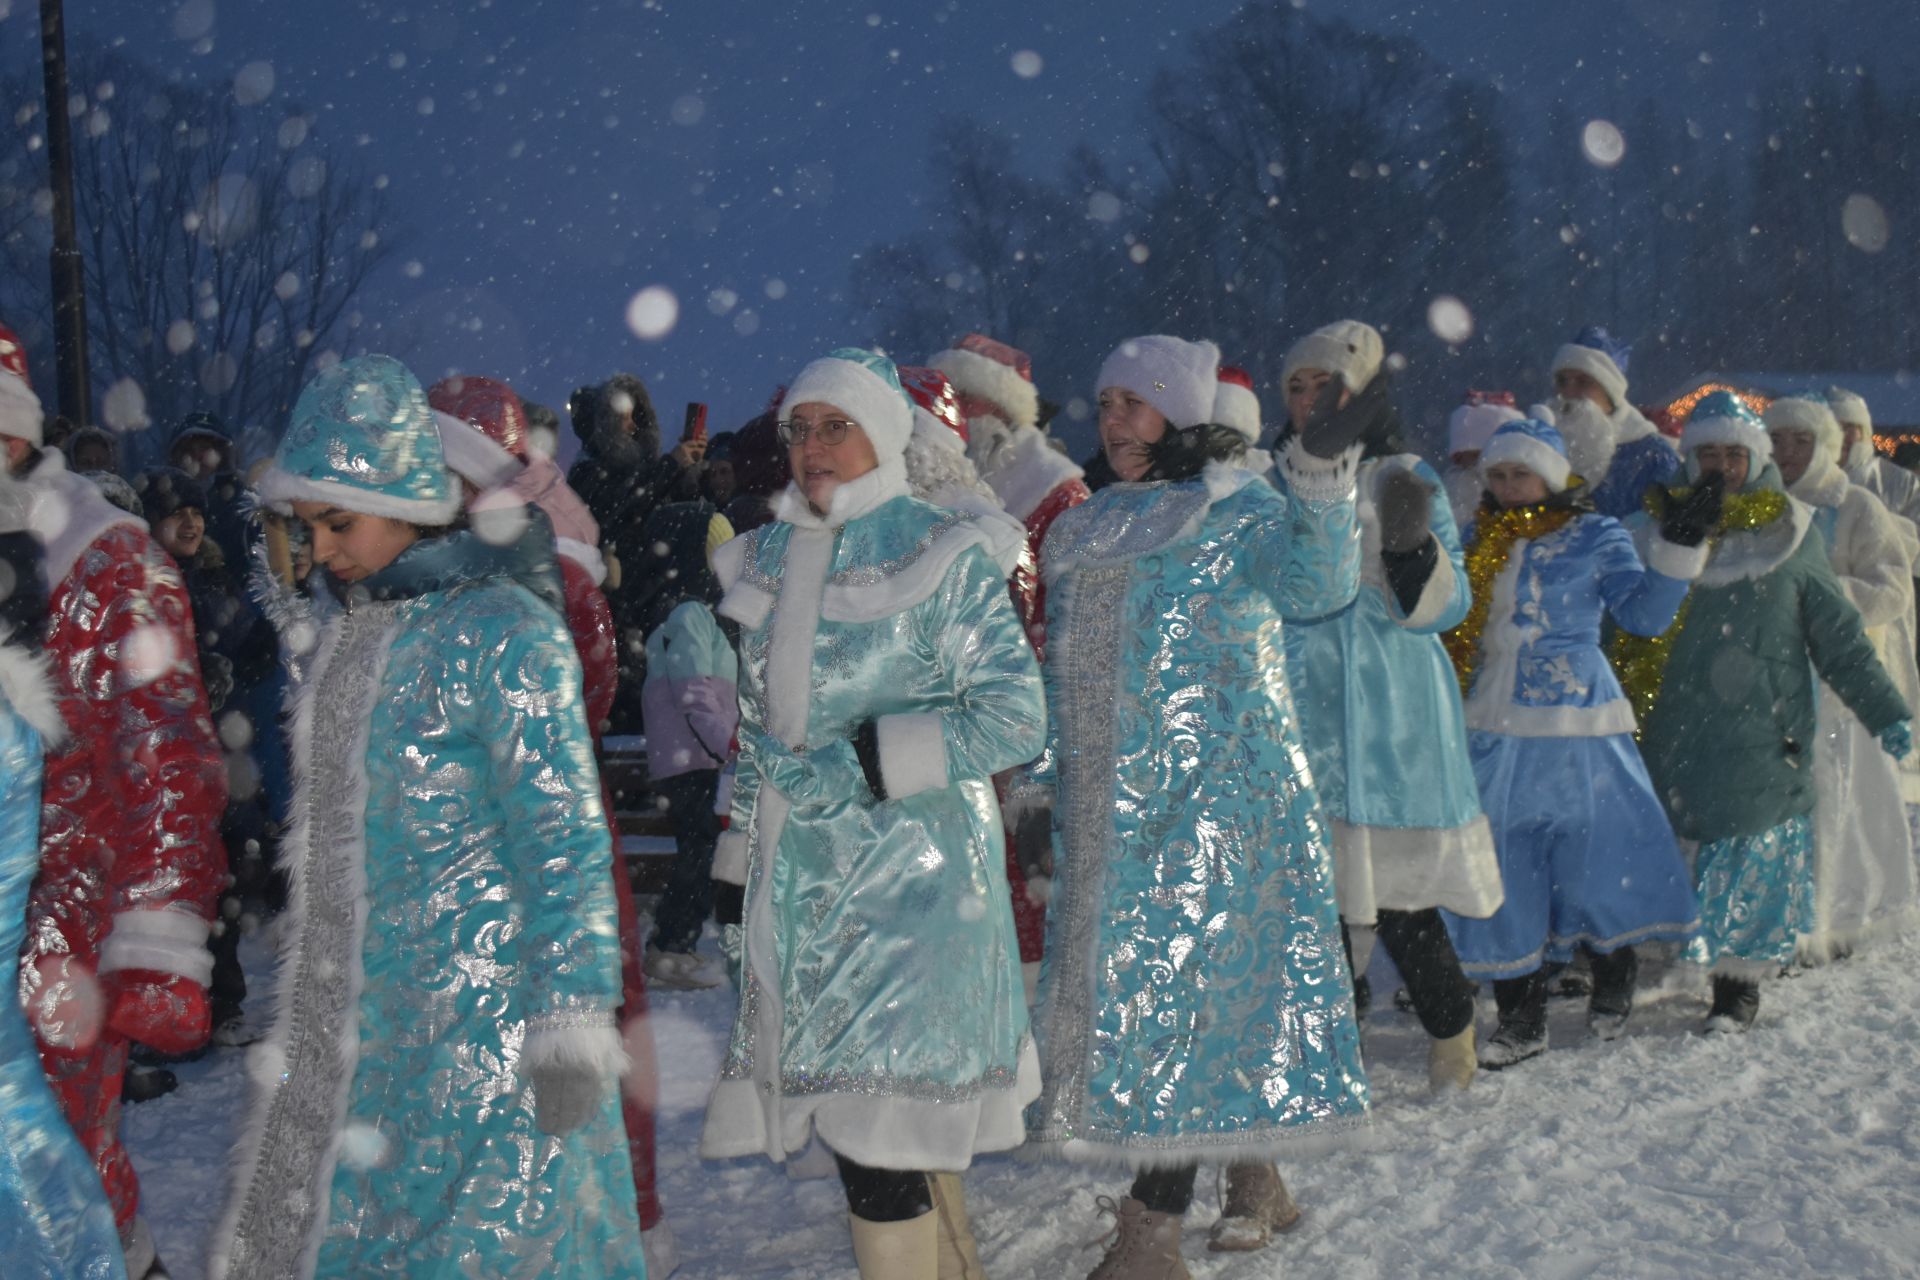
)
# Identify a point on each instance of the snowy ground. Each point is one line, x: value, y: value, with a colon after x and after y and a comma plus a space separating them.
x: 1789, y: 1152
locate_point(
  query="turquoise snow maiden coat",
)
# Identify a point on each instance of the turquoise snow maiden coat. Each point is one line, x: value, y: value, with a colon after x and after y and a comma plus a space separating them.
x: 881, y: 1005
x: 1195, y: 1002
x: 451, y: 926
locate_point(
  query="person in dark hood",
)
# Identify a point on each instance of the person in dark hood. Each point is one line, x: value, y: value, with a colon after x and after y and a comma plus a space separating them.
x: 717, y: 481
x: 93, y: 450
x: 203, y: 449
x: 622, y: 478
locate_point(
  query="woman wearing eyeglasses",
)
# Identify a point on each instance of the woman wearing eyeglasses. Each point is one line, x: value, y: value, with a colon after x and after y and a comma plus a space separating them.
x: 884, y: 679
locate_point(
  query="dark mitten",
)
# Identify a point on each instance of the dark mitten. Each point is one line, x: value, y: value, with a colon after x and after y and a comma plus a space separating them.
x: 1687, y: 521
x: 1407, y: 572
x: 1332, y: 428
x: 1406, y: 510
x: 866, y: 745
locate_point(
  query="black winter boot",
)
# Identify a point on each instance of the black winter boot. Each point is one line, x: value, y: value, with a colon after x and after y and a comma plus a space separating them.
x: 1612, y: 1000
x: 1736, y: 1003
x: 1522, y: 1032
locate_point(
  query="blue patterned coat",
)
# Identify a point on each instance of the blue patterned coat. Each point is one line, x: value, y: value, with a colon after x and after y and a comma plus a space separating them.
x: 55, y: 1223
x: 452, y: 916
x: 1195, y: 1001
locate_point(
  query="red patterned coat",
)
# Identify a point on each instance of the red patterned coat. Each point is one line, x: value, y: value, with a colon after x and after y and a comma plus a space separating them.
x: 131, y: 861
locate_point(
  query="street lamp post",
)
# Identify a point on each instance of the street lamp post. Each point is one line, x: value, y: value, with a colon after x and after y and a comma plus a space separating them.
x: 69, y: 285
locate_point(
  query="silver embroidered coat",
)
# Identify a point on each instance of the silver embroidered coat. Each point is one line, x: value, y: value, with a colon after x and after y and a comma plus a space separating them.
x: 452, y: 897
x: 881, y: 1002
x: 1195, y: 1001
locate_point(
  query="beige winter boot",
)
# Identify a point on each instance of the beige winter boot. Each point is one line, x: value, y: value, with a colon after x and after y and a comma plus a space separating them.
x: 1452, y: 1062
x: 959, y: 1257
x: 1144, y: 1245
x: 896, y: 1250
x: 1256, y: 1208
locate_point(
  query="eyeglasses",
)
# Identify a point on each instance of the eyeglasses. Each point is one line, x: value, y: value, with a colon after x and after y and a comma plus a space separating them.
x: 831, y: 432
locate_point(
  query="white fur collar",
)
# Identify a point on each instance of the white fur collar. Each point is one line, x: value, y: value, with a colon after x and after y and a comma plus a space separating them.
x: 68, y: 514
x: 1629, y: 424
x: 1750, y: 554
x: 27, y: 687
x: 850, y: 501
x: 1023, y: 468
x: 1822, y: 484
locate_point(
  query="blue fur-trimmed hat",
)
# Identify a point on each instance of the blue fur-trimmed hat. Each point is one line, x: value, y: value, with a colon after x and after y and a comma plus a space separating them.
x: 1721, y: 417
x: 1534, y: 445
x: 363, y: 438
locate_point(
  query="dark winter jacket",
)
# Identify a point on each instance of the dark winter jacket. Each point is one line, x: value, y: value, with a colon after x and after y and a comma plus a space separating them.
x: 1730, y: 738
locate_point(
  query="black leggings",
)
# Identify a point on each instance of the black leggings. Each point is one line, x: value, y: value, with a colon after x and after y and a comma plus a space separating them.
x: 1418, y: 944
x: 884, y: 1195
x: 1166, y: 1190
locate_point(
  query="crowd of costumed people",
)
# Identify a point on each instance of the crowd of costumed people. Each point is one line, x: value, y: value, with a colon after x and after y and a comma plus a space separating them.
x: 1036, y: 806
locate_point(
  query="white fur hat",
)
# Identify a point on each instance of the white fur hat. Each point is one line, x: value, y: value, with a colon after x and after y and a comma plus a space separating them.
x: 1537, y: 446
x: 1723, y: 418
x: 1177, y: 377
x: 1849, y: 407
x: 1349, y: 348
x: 1809, y: 415
x: 1235, y: 405
x: 981, y: 366
x: 1472, y: 425
x: 472, y: 456
x: 866, y: 387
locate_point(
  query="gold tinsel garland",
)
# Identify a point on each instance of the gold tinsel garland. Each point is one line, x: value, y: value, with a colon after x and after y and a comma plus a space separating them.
x: 1495, y: 532
x: 1641, y: 661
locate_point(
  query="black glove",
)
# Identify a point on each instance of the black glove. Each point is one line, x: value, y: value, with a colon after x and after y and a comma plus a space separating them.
x: 729, y: 902
x: 1033, y: 842
x: 866, y: 745
x: 1407, y: 572
x: 1688, y: 521
x: 1331, y: 427
x: 1405, y: 504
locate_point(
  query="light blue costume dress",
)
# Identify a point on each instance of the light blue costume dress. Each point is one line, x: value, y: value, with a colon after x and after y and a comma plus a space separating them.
x: 1195, y: 1002
x: 55, y: 1223
x: 451, y: 926
x: 1586, y: 852
x: 1380, y: 716
x: 881, y: 1005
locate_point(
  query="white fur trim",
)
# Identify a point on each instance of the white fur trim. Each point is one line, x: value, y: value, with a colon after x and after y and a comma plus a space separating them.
x: 596, y: 1047
x: 27, y: 687
x: 976, y: 375
x: 1735, y: 431
x: 913, y: 752
x: 1754, y: 553
x: 850, y: 500
x: 1535, y: 455
x: 22, y: 416
x: 158, y: 938
x: 883, y: 412
x: 588, y: 558
x: 745, y: 603
x: 1518, y: 721
x: 280, y: 489
x: 1319, y: 482
x: 1471, y: 425
x: 897, y: 1132
x: 298, y: 841
x: 1847, y: 407
x: 67, y: 514
x: 1797, y: 413
x: 1237, y: 407
x: 472, y: 455
x: 1026, y: 469
x: 936, y: 433
x: 1436, y: 597
x: 1005, y: 537
x: 1327, y: 1137
x: 1597, y: 365
x: 1173, y: 375
x: 1675, y: 561
x: 1413, y: 868
x: 730, y: 857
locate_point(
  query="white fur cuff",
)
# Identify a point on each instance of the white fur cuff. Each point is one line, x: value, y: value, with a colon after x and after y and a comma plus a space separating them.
x: 730, y: 857
x: 1435, y: 597
x: 1319, y: 482
x: 913, y: 753
x: 585, y: 1039
x: 161, y: 939
x: 1676, y: 561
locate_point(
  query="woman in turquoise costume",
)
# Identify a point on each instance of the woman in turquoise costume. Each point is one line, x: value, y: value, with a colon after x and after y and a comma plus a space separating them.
x: 1380, y: 709
x: 1195, y: 1003
x: 884, y: 679
x: 436, y: 1097
x: 55, y: 1223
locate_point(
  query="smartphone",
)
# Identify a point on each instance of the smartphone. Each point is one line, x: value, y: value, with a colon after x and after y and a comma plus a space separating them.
x: 695, y: 428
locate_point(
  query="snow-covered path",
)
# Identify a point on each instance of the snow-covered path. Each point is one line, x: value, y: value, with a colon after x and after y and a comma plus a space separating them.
x: 1789, y: 1152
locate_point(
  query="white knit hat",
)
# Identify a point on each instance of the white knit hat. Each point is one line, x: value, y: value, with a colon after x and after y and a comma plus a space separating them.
x: 1849, y: 407
x: 1349, y: 348
x: 1235, y: 405
x: 1472, y: 425
x: 865, y: 386
x: 1177, y: 377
